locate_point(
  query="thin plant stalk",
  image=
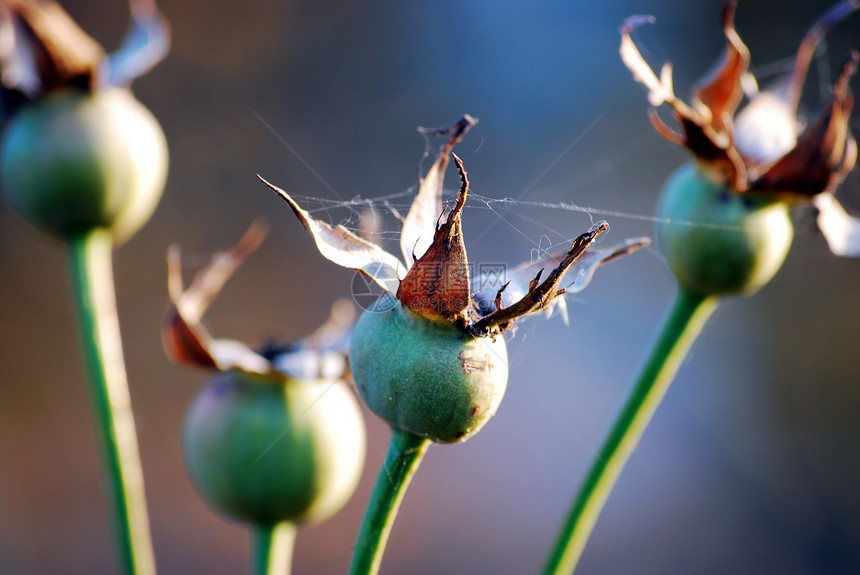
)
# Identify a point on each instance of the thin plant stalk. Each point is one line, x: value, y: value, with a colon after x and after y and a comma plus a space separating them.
x: 405, y: 452
x: 273, y: 545
x: 682, y: 326
x: 91, y: 273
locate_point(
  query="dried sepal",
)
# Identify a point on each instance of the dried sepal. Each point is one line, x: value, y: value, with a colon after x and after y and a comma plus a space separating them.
x: 539, y: 294
x: 758, y: 150
x: 714, y: 98
x: 321, y: 355
x: 419, y: 226
x: 659, y: 89
x: 722, y: 164
x: 186, y: 340
x: 488, y: 288
x: 809, y: 45
x: 582, y: 272
x: 44, y: 49
x: 824, y: 153
x: 339, y: 245
x: 840, y: 229
x: 437, y: 284
x: 146, y: 43
x: 717, y: 97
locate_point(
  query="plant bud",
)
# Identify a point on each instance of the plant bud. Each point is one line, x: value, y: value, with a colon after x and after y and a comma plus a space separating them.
x: 719, y: 242
x: 264, y: 449
x: 429, y: 378
x: 74, y: 161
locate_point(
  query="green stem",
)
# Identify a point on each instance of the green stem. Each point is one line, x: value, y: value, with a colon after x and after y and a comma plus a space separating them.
x: 685, y: 321
x: 91, y: 271
x: 404, y: 455
x: 273, y: 548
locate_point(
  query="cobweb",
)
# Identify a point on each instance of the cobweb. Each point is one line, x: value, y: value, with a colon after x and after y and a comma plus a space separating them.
x: 377, y: 218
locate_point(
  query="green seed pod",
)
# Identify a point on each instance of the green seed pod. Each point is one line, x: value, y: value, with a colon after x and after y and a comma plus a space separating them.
x: 427, y: 378
x: 717, y: 241
x: 433, y: 364
x: 73, y: 161
x: 265, y: 449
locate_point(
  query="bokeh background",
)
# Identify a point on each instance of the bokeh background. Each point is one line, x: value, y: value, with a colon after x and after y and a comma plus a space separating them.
x: 750, y: 466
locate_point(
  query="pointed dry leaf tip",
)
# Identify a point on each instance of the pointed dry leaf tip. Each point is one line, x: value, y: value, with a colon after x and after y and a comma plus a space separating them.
x: 437, y: 285
x: 720, y: 93
x: 420, y: 223
x: 186, y: 340
x: 659, y: 89
x: 540, y: 295
x: 339, y: 245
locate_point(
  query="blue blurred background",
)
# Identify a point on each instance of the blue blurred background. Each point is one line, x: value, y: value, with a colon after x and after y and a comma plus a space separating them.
x: 752, y: 464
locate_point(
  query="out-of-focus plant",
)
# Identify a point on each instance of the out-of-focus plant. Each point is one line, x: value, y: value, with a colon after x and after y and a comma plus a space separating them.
x: 275, y: 438
x: 83, y: 161
x: 723, y: 221
x: 429, y: 357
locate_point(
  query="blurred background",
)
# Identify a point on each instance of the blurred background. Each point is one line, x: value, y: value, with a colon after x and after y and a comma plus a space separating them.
x: 752, y: 463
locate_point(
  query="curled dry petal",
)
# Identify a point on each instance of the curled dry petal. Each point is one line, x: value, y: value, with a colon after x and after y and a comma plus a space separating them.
x: 766, y: 129
x: 334, y: 332
x: 419, y: 226
x: 341, y: 246
x: 185, y: 339
x: 761, y: 152
x: 841, y: 230
x: 539, y: 295
x: 487, y: 287
x: 810, y: 43
x: 706, y: 126
x: 824, y: 153
x: 437, y: 284
x: 42, y: 49
x: 659, y: 89
x: 581, y: 273
x: 321, y: 355
x: 719, y: 94
x: 146, y: 44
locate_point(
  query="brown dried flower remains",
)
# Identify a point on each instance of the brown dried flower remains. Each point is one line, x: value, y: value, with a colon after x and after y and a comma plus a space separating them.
x: 822, y: 154
x: 435, y: 283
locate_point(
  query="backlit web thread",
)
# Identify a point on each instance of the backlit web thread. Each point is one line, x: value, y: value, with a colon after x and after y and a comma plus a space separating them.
x: 518, y: 207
